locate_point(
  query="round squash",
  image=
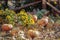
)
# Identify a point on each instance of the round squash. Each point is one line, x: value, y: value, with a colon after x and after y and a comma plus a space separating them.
x: 33, y: 33
x: 7, y: 27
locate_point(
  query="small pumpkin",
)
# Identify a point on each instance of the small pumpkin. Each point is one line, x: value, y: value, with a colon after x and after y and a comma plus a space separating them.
x: 35, y: 17
x: 33, y: 33
x: 43, y: 21
x: 7, y: 27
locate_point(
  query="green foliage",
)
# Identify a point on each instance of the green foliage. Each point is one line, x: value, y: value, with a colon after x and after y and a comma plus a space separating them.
x: 8, y: 15
x: 40, y: 13
x: 24, y: 18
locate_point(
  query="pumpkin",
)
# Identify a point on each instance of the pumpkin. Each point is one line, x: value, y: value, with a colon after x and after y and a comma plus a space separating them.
x: 35, y: 17
x: 43, y: 21
x: 33, y: 33
x: 7, y: 27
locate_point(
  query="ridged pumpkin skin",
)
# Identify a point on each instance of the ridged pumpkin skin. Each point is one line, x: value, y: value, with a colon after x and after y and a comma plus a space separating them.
x: 6, y: 27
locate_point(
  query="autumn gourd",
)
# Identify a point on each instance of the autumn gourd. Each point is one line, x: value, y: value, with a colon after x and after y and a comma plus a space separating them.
x: 33, y: 33
x: 43, y: 21
x: 7, y: 27
x: 35, y: 17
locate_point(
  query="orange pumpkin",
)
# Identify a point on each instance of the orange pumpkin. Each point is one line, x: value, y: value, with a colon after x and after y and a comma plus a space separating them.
x: 43, y: 21
x: 6, y: 27
x: 33, y: 33
x: 35, y: 17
